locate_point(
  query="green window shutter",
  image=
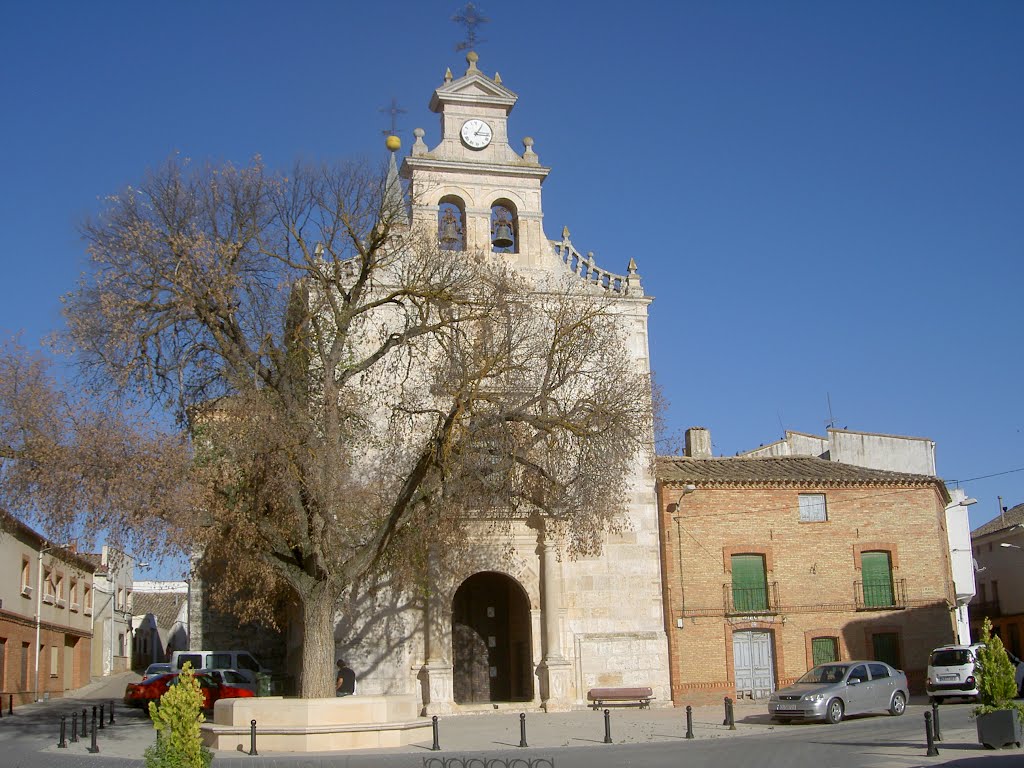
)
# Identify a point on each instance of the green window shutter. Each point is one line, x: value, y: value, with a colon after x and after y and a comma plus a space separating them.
x: 886, y: 647
x: 749, y: 585
x: 876, y: 571
x: 824, y: 650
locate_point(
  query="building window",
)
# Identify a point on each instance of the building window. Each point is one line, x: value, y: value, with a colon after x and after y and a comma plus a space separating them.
x: 824, y: 650
x: 48, y: 587
x: 60, y: 588
x: 26, y: 577
x: 876, y: 570
x: 119, y: 605
x: 87, y: 599
x: 812, y: 508
x: 54, y: 661
x: 982, y: 593
x: 73, y: 592
x: 995, y: 592
x: 749, y: 584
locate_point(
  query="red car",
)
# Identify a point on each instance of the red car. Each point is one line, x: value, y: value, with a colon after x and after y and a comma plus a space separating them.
x: 141, y: 693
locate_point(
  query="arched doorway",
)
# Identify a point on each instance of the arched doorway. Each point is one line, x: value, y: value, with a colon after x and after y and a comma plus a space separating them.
x: 491, y: 640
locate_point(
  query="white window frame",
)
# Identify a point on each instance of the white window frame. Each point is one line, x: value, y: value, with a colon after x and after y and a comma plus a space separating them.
x: 813, y: 508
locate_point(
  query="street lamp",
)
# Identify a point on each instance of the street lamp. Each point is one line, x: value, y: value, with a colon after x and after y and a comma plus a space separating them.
x: 1008, y: 545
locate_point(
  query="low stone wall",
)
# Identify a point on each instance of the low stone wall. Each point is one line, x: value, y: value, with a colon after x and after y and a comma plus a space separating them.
x: 316, y: 725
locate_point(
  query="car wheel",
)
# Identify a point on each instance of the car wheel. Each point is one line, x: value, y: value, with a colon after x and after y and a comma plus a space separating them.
x: 898, y: 705
x: 834, y: 711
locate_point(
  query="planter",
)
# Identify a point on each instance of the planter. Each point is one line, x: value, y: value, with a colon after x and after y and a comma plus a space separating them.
x: 997, y: 729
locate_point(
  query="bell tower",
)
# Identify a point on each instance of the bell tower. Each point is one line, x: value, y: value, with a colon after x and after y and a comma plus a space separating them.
x: 479, y: 192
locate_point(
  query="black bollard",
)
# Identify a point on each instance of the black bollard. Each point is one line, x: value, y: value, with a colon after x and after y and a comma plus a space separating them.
x: 689, y: 721
x: 10, y: 704
x: 111, y: 711
x: 252, y: 738
x: 725, y: 720
x: 436, y: 747
x: 85, y: 726
x: 63, y: 743
x: 730, y: 715
x: 936, y: 730
x: 607, y: 727
x: 94, y: 747
x: 522, y: 730
x: 932, y: 749
x: 103, y: 715
x: 74, y: 728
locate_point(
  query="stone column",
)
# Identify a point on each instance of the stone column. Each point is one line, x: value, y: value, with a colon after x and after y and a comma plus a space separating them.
x: 437, y: 674
x: 554, y: 670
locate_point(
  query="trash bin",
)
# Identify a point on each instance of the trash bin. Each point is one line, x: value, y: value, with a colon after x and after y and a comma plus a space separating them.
x: 262, y: 684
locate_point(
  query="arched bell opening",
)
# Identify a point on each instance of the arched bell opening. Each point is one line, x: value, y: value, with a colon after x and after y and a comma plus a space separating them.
x: 451, y: 223
x: 491, y: 648
x: 504, y: 227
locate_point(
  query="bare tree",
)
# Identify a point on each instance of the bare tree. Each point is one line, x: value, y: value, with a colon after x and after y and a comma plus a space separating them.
x: 82, y: 471
x: 355, y: 394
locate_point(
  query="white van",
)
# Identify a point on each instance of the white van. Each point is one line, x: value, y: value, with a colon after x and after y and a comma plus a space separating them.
x: 242, y: 662
x: 951, y: 672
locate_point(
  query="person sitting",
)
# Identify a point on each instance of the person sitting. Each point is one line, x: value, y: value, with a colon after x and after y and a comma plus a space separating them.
x: 345, y: 683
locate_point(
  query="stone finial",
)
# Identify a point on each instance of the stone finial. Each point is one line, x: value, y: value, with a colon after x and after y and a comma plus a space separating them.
x: 472, y: 59
x: 319, y: 251
x: 418, y: 146
x: 497, y: 78
x: 633, y: 285
x: 528, y: 153
x: 448, y: 74
x: 565, y: 233
x: 631, y: 269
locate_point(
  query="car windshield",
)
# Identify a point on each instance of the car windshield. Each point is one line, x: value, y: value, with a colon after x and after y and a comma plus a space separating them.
x: 826, y: 673
x: 951, y: 657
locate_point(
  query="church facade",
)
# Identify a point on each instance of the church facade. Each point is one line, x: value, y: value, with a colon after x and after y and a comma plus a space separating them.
x: 520, y: 621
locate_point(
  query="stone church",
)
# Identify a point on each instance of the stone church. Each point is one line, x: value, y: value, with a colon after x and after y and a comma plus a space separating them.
x: 525, y: 623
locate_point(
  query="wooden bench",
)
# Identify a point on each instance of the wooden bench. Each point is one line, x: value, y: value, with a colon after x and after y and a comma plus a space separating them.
x: 642, y: 695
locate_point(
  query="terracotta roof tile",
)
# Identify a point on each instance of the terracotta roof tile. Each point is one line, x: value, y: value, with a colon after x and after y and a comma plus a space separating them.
x: 778, y: 470
x: 164, y: 606
x: 1013, y: 516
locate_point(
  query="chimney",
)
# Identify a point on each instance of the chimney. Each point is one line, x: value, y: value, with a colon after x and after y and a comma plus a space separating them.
x: 698, y: 443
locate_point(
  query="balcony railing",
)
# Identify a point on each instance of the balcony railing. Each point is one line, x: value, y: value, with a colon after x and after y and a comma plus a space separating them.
x: 751, y: 600
x: 873, y: 596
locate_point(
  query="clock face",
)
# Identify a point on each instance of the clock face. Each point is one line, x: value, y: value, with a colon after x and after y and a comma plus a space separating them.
x: 476, y: 133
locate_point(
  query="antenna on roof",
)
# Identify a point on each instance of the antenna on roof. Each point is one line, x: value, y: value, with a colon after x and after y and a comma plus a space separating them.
x: 831, y: 422
x: 1002, y: 509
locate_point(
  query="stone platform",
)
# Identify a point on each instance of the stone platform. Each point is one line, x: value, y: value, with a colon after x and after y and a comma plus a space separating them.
x: 316, y: 725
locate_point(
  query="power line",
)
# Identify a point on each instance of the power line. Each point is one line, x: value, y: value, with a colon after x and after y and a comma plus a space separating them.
x: 986, y: 477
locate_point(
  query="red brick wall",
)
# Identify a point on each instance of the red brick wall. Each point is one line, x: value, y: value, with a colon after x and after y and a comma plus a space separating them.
x: 815, y: 566
x: 16, y: 630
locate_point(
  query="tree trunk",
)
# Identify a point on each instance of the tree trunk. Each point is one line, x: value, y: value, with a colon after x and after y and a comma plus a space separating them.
x: 318, y: 667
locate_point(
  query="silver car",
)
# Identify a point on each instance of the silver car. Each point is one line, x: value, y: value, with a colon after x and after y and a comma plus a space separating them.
x: 831, y: 691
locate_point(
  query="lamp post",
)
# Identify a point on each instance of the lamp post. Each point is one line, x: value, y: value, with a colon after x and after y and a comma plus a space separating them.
x: 39, y: 613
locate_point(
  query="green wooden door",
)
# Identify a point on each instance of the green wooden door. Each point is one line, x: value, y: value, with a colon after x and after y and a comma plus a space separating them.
x: 886, y: 647
x: 876, y: 570
x: 824, y: 650
x: 749, y: 585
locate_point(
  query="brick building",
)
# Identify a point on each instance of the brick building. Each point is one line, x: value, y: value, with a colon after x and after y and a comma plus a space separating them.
x: 46, y: 604
x: 774, y: 563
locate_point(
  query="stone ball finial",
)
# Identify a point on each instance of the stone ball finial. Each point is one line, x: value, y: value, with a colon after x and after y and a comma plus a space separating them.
x: 419, y: 133
x: 393, y: 143
x: 528, y: 141
x: 472, y: 59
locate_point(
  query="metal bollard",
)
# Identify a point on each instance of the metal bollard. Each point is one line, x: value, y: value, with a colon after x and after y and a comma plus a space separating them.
x: 63, y: 743
x: 74, y: 728
x: 10, y: 704
x: 436, y: 747
x: 85, y: 725
x: 689, y: 721
x: 936, y: 730
x: 94, y: 747
x: 730, y: 714
x: 111, y: 712
x: 102, y: 715
x: 252, y: 738
x: 932, y: 749
x: 522, y: 730
x: 607, y: 727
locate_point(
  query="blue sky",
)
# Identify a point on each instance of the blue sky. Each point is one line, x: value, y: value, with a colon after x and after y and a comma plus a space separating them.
x: 826, y: 199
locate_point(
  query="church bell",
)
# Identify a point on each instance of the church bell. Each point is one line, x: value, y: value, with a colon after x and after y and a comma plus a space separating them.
x: 502, y: 234
x: 450, y: 237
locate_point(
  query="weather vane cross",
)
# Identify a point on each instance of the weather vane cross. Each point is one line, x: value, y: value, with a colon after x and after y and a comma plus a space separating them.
x: 470, y: 17
x: 394, y: 110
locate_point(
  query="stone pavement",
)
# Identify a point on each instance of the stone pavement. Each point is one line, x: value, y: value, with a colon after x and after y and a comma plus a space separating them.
x: 30, y: 737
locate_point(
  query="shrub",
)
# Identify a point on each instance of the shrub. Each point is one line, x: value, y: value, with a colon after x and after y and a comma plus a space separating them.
x: 997, y: 681
x: 176, y: 719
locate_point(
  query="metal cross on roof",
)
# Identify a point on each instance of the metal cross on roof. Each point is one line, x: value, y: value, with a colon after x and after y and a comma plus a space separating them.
x: 394, y: 110
x: 471, y: 18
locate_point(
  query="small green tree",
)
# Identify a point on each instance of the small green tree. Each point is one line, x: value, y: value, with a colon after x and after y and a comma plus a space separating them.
x: 997, y: 681
x: 176, y: 719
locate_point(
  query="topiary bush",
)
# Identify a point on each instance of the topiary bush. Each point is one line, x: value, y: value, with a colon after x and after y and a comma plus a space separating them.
x: 997, y: 681
x: 176, y: 719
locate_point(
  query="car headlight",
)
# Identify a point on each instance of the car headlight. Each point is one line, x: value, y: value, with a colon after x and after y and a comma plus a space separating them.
x: 814, y: 697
